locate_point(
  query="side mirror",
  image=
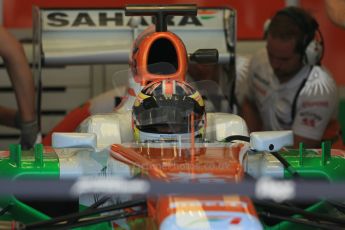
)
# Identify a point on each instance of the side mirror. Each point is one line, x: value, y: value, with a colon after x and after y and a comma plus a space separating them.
x: 205, y: 56
x: 271, y: 141
x: 74, y: 140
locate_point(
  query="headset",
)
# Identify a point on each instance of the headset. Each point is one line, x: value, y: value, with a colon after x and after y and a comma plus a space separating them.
x: 312, y: 47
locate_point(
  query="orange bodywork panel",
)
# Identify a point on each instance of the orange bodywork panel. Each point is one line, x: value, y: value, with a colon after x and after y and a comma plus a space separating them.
x: 211, y: 164
x: 175, y: 163
x: 140, y: 56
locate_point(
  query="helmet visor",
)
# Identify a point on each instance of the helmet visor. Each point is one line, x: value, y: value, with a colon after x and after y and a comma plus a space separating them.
x: 167, y: 120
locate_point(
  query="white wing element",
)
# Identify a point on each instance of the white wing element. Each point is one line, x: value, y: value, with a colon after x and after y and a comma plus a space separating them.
x: 318, y: 83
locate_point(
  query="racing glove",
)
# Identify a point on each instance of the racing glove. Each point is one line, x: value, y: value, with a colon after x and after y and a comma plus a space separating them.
x: 29, y: 132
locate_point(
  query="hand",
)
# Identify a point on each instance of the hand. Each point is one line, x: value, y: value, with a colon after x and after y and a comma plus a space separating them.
x: 28, y: 134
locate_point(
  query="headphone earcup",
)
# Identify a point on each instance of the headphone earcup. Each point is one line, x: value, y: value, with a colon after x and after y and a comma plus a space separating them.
x: 313, y: 52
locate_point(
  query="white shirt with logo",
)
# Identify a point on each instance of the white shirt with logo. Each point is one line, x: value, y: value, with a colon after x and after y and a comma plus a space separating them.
x: 315, y: 105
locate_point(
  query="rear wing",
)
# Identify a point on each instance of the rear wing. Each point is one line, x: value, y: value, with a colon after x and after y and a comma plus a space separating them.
x: 104, y: 36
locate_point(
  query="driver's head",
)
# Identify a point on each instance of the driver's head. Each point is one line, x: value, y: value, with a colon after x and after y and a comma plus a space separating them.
x: 163, y: 111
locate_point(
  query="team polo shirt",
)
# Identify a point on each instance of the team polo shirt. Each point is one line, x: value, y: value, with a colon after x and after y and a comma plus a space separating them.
x: 315, y: 106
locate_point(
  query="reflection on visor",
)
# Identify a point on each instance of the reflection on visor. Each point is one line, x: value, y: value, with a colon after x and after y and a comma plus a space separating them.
x: 169, y: 115
x: 166, y: 120
x: 169, y: 128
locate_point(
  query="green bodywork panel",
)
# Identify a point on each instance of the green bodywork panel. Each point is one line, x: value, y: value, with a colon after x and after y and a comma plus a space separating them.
x: 316, y: 165
x: 31, y: 164
x: 27, y: 164
x: 44, y: 163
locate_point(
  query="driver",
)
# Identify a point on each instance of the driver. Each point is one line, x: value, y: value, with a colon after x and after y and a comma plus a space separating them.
x: 164, y: 111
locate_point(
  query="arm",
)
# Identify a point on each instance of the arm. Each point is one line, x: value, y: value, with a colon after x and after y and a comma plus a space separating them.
x: 250, y: 114
x: 20, y: 75
x: 336, y: 11
x: 316, y: 107
x: 22, y: 81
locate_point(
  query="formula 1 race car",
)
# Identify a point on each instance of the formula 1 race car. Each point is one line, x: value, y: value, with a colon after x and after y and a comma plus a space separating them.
x: 167, y: 138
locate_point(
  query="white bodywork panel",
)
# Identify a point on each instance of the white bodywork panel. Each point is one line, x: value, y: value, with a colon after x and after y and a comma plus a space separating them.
x: 75, y: 140
x: 259, y: 164
x: 116, y: 128
x: 222, y: 125
x: 113, y: 128
x: 271, y: 141
x: 76, y: 162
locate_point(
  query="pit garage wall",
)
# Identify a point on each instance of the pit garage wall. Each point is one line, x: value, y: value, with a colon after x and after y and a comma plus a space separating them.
x: 65, y: 88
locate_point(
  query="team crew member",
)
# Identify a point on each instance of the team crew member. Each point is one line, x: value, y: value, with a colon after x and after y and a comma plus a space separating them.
x: 285, y: 89
x: 21, y: 78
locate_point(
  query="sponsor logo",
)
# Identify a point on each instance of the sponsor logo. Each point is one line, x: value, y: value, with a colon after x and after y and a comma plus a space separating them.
x: 206, y: 14
x: 307, y: 104
x: 110, y: 18
x: 235, y: 221
x: 311, y: 115
x: 209, y: 203
x: 310, y: 119
x: 308, y: 122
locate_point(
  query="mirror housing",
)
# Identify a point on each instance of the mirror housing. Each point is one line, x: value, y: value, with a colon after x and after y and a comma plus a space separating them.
x: 205, y: 56
x: 271, y: 141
